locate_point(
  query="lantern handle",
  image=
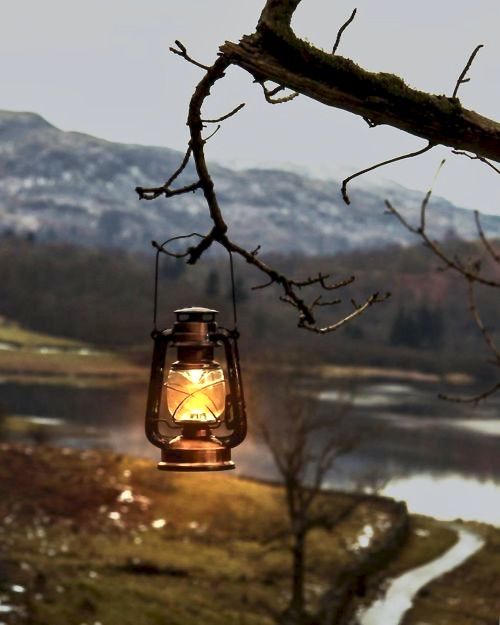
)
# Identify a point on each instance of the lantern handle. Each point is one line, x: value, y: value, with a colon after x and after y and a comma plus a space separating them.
x: 161, y: 249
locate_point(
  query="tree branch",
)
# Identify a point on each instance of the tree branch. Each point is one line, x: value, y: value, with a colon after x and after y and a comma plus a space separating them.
x: 181, y: 51
x: 275, y: 53
x: 494, y: 255
x: 472, y: 400
x: 470, y: 273
x: 341, y: 31
x: 475, y: 157
x: 345, y: 182
x: 462, y: 78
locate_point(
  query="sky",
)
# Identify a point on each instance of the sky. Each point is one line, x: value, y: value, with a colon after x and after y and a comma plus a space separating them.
x: 103, y: 67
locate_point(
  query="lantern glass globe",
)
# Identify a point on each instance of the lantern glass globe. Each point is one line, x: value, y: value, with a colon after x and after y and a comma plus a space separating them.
x: 196, y: 395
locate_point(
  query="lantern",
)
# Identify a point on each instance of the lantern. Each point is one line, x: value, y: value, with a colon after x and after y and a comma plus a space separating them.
x: 195, y: 396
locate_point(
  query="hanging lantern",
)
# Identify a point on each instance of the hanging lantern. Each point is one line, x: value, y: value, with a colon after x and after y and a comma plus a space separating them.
x: 195, y: 397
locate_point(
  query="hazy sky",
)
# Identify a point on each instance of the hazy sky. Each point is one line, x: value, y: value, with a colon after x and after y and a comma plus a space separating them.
x: 103, y: 67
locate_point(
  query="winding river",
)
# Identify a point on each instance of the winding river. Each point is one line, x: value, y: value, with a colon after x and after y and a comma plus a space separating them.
x: 398, y: 599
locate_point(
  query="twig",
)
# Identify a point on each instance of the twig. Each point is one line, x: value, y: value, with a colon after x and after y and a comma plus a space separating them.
x: 224, y: 117
x: 321, y: 279
x: 488, y: 339
x: 205, y: 139
x: 471, y: 400
x: 154, y: 192
x: 494, y: 255
x: 345, y: 182
x: 373, y: 299
x: 450, y: 263
x: 269, y: 93
x: 319, y: 302
x: 183, y: 53
x: 461, y: 79
x: 341, y: 31
x: 475, y: 157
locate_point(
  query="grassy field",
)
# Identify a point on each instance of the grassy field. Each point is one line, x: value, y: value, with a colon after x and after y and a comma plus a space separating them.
x: 95, y: 537
x: 38, y: 358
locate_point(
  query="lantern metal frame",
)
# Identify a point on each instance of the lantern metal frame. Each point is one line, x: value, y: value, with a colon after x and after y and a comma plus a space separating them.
x: 197, y: 448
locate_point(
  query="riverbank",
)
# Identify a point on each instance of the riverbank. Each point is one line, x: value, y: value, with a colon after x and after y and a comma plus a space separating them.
x: 91, y: 536
x: 468, y: 594
x: 28, y: 357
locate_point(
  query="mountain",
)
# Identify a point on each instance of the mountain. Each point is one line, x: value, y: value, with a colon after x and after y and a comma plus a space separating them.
x: 74, y: 187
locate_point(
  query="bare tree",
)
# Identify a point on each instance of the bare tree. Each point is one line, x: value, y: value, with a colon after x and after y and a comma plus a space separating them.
x: 304, y: 449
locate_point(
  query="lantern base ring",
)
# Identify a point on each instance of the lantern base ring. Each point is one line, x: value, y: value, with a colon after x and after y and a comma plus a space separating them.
x: 201, y: 453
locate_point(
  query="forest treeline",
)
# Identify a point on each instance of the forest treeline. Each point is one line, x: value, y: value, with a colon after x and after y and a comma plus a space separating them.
x: 105, y: 297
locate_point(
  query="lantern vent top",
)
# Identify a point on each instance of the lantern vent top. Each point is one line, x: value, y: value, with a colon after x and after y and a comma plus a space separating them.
x: 195, y: 313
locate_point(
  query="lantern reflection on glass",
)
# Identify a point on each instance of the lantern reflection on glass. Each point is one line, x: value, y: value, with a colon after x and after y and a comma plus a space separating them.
x: 196, y: 397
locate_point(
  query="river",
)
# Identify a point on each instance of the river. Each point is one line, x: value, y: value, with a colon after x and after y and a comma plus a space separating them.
x: 398, y: 598
x: 442, y: 459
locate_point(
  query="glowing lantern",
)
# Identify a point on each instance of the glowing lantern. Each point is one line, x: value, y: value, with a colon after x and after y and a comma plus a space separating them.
x: 196, y: 399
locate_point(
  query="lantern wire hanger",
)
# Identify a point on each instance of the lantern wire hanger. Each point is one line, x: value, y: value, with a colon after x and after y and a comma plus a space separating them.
x: 161, y: 249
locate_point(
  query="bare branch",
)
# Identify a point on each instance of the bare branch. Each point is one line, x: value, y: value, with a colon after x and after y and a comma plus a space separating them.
x: 472, y: 400
x: 475, y: 157
x: 319, y: 302
x: 275, y: 53
x: 494, y: 255
x: 181, y: 51
x: 488, y: 339
x: 262, y: 286
x: 359, y: 310
x: 269, y: 93
x: 462, y: 79
x: 153, y: 193
x: 345, y: 182
x: 341, y: 31
x: 451, y: 263
x: 205, y: 139
x: 224, y: 117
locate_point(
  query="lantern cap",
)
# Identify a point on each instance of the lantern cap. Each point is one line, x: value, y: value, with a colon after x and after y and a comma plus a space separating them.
x: 195, y: 313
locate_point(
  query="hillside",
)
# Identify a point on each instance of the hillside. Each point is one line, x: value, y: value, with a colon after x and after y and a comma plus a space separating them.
x: 72, y: 187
